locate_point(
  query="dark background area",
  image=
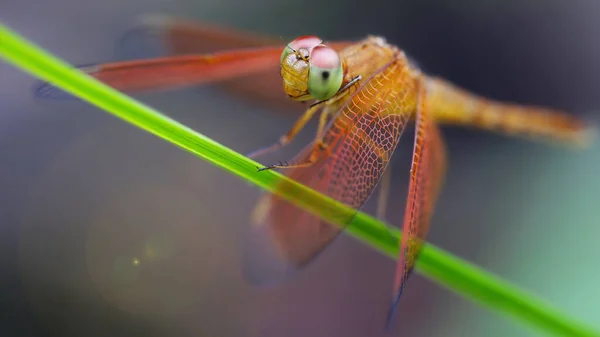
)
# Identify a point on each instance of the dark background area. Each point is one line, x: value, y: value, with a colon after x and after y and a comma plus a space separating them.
x: 83, y: 196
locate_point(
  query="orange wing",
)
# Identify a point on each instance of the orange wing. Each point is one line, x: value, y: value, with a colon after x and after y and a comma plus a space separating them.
x: 427, y: 175
x: 176, y: 71
x: 181, y: 36
x: 244, y: 63
x: 361, y: 139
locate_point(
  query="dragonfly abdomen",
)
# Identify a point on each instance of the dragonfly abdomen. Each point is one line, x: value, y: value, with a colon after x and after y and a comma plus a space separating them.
x: 455, y: 106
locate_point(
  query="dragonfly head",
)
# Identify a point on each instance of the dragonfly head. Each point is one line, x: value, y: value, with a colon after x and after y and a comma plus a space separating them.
x: 310, y: 69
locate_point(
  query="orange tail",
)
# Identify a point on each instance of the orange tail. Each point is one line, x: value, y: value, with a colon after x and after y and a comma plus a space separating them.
x: 453, y: 105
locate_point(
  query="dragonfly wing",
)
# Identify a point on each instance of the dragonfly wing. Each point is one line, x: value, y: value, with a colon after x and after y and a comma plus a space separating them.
x: 176, y: 71
x: 181, y: 36
x: 277, y: 223
x: 360, y: 140
x: 427, y: 175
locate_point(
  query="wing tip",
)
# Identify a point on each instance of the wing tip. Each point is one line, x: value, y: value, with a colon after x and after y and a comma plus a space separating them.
x: 398, y: 290
x: 393, y: 309
x: 262, y: 263
x: 46, y: 90
x: 49, y: 91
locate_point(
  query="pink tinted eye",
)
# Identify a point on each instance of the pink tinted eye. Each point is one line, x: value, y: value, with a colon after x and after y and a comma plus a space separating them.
x: 324, y: 57
x: 306, y: 41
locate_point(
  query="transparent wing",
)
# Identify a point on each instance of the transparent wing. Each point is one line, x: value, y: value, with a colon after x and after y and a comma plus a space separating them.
x: 360, y: 140
x: 427, y: 175
x: 182, y: 36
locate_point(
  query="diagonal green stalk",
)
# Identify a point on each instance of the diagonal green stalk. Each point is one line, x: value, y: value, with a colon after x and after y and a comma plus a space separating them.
x: 434, y: 263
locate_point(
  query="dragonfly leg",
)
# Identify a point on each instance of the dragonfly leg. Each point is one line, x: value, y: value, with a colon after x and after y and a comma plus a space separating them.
x: 384, y: 193
x: 325, y: 114
x: 288, y: 137
x: 314, y: 155
x: 318, y: 142
x: 301, y: 122
x: 318, y: 147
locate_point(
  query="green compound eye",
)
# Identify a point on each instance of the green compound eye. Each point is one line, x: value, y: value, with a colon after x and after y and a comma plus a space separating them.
x: 325, y: 74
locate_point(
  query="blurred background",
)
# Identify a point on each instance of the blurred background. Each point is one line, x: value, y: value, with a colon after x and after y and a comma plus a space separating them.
x: 106, y: 230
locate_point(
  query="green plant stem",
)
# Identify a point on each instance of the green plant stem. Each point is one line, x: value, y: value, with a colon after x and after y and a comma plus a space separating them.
x: 434, y: 263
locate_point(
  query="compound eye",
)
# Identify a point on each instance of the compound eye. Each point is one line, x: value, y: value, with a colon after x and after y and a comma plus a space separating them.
x: 306, y: 42
x: 325, y: 74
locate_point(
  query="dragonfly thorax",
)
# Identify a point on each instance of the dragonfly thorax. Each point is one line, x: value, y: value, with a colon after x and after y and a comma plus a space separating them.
x: 310, y: 69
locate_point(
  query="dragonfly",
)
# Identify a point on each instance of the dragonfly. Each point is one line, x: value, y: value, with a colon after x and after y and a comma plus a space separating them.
x: 365, y: 93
